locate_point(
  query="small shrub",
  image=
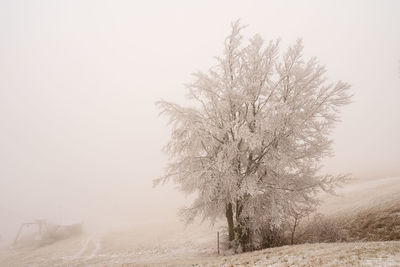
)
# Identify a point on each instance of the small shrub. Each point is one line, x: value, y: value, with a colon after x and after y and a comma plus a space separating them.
x: 323, y: 229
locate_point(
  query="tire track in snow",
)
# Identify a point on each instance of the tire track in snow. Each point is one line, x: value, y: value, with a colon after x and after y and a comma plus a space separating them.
x: 82, y: 250
x: 89, y: 249
x: 96, y: 244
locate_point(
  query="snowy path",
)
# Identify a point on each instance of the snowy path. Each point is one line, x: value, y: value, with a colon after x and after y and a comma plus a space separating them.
x: 89, y: 249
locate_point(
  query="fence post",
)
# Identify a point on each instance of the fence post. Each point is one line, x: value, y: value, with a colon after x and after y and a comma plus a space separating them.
x: 218, y: 242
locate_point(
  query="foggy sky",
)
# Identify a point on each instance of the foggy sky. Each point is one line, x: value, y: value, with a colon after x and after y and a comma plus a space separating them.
x: 80, y: 137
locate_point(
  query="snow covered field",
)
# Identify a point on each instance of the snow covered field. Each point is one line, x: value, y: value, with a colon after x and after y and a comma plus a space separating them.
x: 143, y: 244
x: 327, y: 254
x: 84, y: 252
x: 361, y: 194
x: 172, y: 244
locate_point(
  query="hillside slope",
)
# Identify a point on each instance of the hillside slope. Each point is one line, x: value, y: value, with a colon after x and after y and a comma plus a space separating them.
x: 326, y: 254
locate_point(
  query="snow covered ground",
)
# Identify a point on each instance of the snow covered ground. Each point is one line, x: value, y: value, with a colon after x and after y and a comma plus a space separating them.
x: 172, y: 244
x: 359, y: 194
x: 86, y: 251
x: 143, y: 244
x: 327, y: 254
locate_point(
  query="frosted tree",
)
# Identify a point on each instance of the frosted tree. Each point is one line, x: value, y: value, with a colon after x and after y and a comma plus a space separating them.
x: 250, y: 145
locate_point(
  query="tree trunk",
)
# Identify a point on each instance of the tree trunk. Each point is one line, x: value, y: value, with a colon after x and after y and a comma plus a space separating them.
x: 229, y: 218
x: 293, y: 230
x: 239, y: 222
x: 242, y: 229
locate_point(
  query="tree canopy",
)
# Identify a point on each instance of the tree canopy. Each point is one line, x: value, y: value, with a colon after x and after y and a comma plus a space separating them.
x: 251, y: 146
